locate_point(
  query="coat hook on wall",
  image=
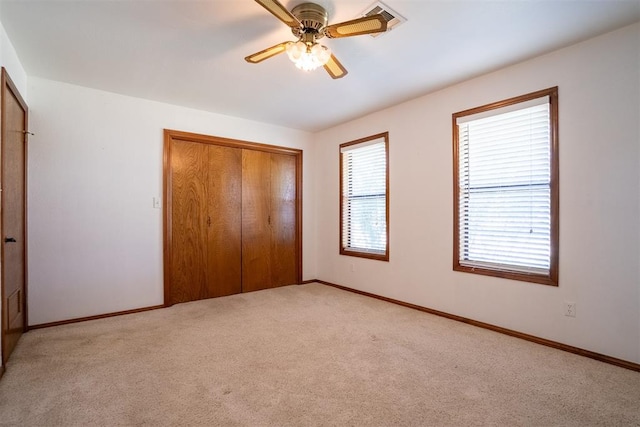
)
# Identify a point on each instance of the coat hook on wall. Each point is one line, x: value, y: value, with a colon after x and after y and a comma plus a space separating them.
x: 28, y: 133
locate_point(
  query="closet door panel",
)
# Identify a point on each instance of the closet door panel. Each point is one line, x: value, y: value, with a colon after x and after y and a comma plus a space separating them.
x: 256, y: 230
x: 224, y: 221
x: 283, y: 220
x: 231, y: 216
x: 189, y: 216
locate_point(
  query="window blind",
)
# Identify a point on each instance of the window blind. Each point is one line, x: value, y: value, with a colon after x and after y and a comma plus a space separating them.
x: 505, y: 189
x: 364, y: 197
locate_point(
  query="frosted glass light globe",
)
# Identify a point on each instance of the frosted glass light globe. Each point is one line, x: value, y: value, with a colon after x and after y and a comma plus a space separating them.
x: 308, y: 57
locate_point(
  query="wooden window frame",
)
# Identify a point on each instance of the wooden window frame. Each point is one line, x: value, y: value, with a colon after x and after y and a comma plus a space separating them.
x: 355, y: 253
x: 546, y: 279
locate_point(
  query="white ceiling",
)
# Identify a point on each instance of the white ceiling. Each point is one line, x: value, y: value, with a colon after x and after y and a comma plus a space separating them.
x: 191, y: 53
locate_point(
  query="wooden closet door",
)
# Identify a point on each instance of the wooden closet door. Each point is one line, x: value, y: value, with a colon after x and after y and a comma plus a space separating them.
x: 233, y: 212
x: 224, y: 222
x: 256, y: 230
x: 205, y: 221
x: 284, y: 265
x: 189, y: 219
x: 269, y: 251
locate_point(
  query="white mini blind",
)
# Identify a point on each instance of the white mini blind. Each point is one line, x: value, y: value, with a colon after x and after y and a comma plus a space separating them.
x: 364, y: 197
x: 505, y: 190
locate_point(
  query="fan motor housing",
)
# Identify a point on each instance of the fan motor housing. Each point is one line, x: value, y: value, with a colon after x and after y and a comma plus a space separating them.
x: 313, y: 18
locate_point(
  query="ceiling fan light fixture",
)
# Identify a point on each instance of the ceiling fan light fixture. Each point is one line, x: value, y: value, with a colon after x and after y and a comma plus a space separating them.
x: 309, y: 23
x: 306, y: 56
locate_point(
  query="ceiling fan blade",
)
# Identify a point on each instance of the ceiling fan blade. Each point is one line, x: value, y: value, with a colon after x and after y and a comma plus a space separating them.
x: 267, y: 53
x: 335, y: 69
x: 280, y: 12
x: 356, y: 27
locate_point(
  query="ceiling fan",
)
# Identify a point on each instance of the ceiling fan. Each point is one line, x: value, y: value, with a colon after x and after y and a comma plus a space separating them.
x: 308, y: 22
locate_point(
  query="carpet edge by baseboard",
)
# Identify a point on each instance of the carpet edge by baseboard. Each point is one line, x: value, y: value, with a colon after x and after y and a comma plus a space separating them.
x: 95, y: 317
x: 532, y: 338
x: 543, y: 341
x: 117, y: 313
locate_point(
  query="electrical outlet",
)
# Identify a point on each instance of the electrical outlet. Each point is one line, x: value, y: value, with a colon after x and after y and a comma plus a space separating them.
x: 570, y: 309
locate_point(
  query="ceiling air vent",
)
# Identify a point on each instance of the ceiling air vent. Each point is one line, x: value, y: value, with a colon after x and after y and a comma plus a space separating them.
x: 392, y: 17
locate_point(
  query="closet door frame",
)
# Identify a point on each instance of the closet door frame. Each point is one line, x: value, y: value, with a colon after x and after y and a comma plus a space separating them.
x: 171, y: 136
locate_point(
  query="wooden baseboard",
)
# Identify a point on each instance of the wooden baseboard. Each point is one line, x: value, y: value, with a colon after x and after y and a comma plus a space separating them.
x: 306, y: 282
x: 99, y: 316
x: 554, y: 344
x: 1, y: 371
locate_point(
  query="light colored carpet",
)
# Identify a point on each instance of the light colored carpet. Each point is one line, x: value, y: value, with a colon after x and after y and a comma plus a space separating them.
x: 298, y: 356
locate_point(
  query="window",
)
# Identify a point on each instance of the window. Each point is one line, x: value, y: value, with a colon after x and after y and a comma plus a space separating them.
x: 364, y: 197
x: 506, y: 188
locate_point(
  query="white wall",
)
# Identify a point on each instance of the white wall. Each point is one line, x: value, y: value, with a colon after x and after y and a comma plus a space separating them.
x: 10, y: 61
x: 599, y: 144
x: 95, y: 163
